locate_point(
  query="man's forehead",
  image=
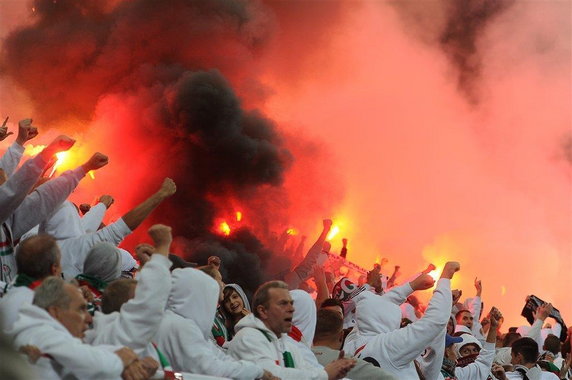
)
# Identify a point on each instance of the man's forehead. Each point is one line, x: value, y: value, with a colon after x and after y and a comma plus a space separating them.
x: 280, y: 294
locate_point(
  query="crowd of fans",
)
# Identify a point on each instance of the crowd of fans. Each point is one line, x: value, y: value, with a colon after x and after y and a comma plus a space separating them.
x: 75, y: 306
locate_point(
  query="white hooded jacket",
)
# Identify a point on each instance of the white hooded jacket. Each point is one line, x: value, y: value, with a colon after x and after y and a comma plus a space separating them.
x: 69, y: 357
x: 138, y: 320
x: 183, y: 334
x: 256, y: 343
x: 394, y: 348
x: 304, y: 324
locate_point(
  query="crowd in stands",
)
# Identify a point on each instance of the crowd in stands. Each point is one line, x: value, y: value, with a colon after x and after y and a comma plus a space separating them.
x: 75, y: 306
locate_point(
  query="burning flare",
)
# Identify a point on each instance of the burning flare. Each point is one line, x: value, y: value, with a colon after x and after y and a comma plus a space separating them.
x: 224, y: 228
x: 333, y: 232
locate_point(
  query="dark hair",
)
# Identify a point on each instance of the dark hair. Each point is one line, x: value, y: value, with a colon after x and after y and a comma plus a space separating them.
x: 332, y: 302
x: 552, y: 344
x: 460, y: 312
x: 328, y: 324
x: 36, y: 255
x: 509, y: 338
x: 262, y: 296
x: 179, y: 263
x: 527, y: 347
x: 116, y: 294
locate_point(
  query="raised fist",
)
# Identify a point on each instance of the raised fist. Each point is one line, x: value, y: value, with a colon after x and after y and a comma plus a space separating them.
x: 107, y: 200
x: 97, y: 161
x: 161, y: 235
x: 26, y: 131
x: 450, y: 268
x: 168, y: 188
x: 422, y: 282
x: 61, y: 143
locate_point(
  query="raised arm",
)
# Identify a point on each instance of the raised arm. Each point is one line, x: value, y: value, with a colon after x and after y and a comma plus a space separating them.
x: 17, y: 187
x: 137, y: 215
x: 42, y: 202
x: 303, y: 270
x: 10, y: 160
x: 406, y: 344
x: 140, y: 317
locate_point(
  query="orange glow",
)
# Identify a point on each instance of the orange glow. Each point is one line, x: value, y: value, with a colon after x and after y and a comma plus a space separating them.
x: 224, y: 228
x: 503, y: 290
x: 333, y: 232
x: 238, y: 216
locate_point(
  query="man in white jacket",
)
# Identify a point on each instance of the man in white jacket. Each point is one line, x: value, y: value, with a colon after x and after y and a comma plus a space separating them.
x: 524, y: 354
x: 74, y: 250
x: 260, y: 338
x: 39, y: 205
x: 55, y: 324
x: 394, y: 348
x: 37, y: 258
x: 14, y: 191
x: 136, y: 321
x: 183, y: 335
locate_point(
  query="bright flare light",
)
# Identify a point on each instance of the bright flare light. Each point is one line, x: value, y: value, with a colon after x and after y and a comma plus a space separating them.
x: 61, y: 157
x: 333, y: 232
x: 238, y: 216
x: 435, y: 273
x: 224, y: 228
x: 32, y: 150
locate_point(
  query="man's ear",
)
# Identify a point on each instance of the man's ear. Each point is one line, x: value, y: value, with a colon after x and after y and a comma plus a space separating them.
x: 54, y: 311
x: 262, y: 315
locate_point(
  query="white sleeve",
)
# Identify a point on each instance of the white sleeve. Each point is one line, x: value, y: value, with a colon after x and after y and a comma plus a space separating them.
x: 406, y: 344
x: 82, y: 360
x: 556, y: 330
x: 431, y: 360
x: 398, y: 294
x: 481, y: 368
x: 202, y: 357
x: 11, y: 158
x: 93, y: 218
x: 42, y: 202
x: 17, y: 187
x: 254, y: 347
x: 140, y: 317
x: 535, y: 332
x: 75, y: 250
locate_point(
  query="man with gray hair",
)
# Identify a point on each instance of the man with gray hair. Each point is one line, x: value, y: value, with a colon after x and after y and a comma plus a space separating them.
x: 260, y: 338
x: 56, y: 323
x: 37, y: 258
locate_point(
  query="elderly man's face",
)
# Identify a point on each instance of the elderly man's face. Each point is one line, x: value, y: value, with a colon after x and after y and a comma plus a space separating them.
x: 76, y: 317
x: 278, y: 315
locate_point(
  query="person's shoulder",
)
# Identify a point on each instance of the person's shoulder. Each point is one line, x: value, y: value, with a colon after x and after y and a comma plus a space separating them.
x: 548, y: 376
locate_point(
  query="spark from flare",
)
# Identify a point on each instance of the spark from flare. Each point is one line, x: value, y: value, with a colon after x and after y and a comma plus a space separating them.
x: 292, y: 232
x: 238, y: 216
